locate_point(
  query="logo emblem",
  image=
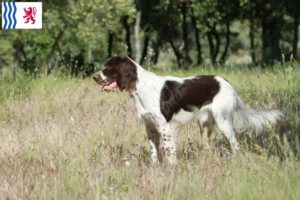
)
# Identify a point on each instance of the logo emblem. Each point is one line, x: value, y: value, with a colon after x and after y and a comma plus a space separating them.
x: 22, y: 15
x: 30, y: 14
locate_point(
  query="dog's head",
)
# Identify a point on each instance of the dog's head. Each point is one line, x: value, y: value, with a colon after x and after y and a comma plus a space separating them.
x: 118, y: 72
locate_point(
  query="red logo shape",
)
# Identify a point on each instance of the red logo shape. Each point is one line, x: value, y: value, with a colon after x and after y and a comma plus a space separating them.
x: 30, y: 14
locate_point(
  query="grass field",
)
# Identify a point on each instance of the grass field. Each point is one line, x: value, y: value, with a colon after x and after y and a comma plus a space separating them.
x: 62, y: 138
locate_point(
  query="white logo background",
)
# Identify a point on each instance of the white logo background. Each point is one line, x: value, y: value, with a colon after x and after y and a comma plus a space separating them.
x: 20, y: 21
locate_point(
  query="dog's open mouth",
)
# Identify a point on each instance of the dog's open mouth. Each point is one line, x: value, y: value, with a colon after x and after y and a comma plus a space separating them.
x: 110, y: 86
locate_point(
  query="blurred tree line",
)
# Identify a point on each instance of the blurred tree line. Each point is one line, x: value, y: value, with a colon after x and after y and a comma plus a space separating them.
x: 78, y: 34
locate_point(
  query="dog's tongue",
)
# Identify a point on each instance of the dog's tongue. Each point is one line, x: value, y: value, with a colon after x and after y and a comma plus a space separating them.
x: 110, y: 87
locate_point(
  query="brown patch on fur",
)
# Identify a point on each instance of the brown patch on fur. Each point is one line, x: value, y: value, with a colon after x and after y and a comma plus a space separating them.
x: 123, y: 70
x: 196, y: 92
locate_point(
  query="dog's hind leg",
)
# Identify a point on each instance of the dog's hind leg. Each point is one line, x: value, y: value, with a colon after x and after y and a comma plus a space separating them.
x: 224, y: 122
x: 205, y: 124
x: 205, y: 132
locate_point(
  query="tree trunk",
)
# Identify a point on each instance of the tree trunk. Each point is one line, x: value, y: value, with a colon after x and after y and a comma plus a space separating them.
x: 54, y: 45
x: 90, y: 55
x: 185, y: 33
x: 0, y: 67
x: 296, y: 32
x: 176, y: 52
x: 198, y: 44
x: 19, y: 52
x: 56, y: 41
x: 127, y: 37
x: 252, y: 41
x: 14, y: 71
x: 155, y: 56
x: 211, y: 46
x: 136, y: 36
x: 90, y: 69
x: 224, y: 55
x: 217, y: 37
x: 145, y: 48
x: 58, y: 49
x: 110, y: 44
x: 270, y: 38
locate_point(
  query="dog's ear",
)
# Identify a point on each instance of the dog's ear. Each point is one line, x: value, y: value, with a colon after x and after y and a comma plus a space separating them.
x: 170, y: 98
x: 127, y: 76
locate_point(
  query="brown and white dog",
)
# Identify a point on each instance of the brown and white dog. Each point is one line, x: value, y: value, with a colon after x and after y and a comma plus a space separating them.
x: 166, y: 103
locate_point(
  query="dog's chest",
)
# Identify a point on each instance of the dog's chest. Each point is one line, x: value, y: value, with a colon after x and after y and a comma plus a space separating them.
x: 147, y: 107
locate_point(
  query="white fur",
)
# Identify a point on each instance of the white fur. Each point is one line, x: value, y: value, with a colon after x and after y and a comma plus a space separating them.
x: 104, y: 78
x: 226, y: 113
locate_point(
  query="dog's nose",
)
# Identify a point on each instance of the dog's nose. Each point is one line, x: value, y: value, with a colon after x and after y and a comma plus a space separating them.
x: 96, y: 77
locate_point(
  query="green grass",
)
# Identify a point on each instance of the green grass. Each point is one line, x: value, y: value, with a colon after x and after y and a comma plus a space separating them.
x: 62, y: 138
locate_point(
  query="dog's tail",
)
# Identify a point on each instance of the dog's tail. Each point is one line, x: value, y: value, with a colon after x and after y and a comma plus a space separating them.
x: 255, y: 121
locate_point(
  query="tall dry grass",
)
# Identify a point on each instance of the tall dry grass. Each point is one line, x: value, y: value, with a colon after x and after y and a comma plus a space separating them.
x: 64, y: 139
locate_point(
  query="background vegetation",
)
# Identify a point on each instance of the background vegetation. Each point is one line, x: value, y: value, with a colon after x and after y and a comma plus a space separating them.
x: 61, y: 138
x: 78, y: 35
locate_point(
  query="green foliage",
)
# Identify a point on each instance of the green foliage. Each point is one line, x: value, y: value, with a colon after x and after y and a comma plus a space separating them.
x: 15, y: 89
x: 84, y: 24
x: 79, y: 28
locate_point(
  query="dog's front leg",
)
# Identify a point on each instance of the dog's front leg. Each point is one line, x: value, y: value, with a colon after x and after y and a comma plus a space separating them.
x: 168, y: 134
x: 154, y: 141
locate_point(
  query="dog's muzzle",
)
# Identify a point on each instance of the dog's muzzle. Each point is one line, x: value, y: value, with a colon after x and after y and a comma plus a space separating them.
x: 97, y: 77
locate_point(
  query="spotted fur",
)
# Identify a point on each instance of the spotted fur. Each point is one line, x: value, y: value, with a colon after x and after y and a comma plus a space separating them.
x: 166, y: 103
